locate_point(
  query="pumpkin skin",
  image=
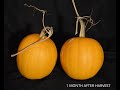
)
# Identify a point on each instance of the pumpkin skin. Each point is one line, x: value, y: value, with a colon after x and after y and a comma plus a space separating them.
x: 38, y: 60
x: 81, y: 58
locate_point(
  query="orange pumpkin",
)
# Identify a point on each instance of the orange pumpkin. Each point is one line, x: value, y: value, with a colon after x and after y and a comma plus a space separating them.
x: 39, y: 60
x: 81, y: 58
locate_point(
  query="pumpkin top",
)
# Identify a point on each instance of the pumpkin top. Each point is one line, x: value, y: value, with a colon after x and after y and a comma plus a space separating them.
x: 83, y: 22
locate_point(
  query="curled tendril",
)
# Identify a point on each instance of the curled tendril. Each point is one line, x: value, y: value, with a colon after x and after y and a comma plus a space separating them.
x: 88, y: 19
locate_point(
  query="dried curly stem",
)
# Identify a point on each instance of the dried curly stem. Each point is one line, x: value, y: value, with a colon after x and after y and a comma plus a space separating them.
x: 45, y: 30
x: 83, y: 24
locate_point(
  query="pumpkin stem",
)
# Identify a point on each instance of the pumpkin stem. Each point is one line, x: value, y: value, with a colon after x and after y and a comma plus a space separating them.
x: 45, y: 30
x: 83, y: 22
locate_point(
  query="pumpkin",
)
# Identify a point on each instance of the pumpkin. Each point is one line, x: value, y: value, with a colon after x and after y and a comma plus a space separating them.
x: 81, y: 57
x: 37, y: 53
x: 39, y: 60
